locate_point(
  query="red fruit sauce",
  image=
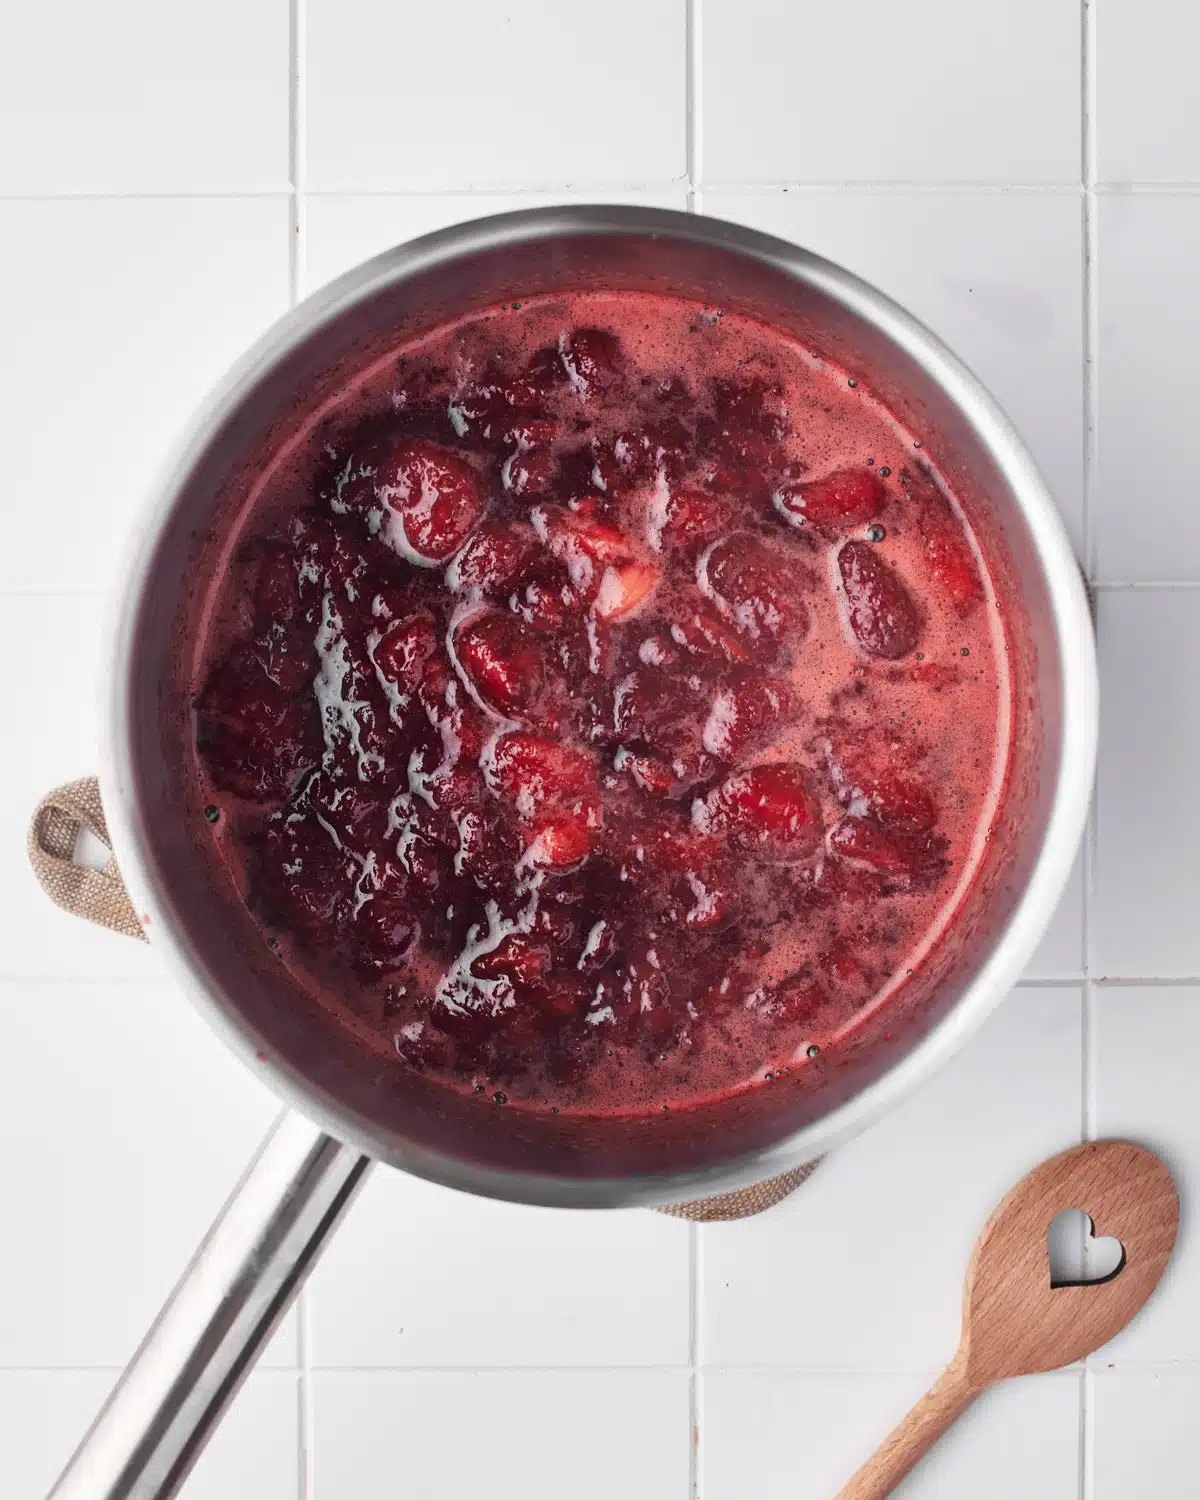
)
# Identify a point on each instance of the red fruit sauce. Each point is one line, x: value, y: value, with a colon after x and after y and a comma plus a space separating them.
x: 611, y: 713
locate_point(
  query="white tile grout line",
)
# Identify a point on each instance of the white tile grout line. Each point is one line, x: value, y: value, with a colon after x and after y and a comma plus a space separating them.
x: 692, y: 95
x: 732, y: 186
x: 1087, y: 62
x: 297, y: 156
x: 695, y: 1394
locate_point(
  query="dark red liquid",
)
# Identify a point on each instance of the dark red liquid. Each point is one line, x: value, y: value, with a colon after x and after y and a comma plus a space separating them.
x: 611, y: 713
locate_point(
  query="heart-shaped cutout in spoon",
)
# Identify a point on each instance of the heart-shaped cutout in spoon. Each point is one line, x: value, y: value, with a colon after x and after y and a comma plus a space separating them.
x: 1015, y: 1320
x: 1078, y: 1255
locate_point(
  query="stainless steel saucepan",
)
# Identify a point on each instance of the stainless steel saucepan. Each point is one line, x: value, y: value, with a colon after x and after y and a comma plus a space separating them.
x: 247, y: 1272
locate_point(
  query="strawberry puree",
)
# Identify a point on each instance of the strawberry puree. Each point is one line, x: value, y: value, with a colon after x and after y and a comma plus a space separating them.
x: 609, y: 711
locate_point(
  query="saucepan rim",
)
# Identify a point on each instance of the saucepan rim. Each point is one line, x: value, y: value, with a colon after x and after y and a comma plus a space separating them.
x: 1065, y: 591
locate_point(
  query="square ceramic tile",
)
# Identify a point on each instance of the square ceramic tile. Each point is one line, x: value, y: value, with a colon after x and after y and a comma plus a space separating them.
x: 1146, y: 519
x: 1147, y: 1041
x: 254, y: 1454
x: 1145, y: 1434
x: 1147, y: 823
x: 799, y: 1437
x: 931, y: 91
x: 118, y: 316
x: 997, y: 275
x: 532, y: 93
x: 139, y: 97
x: 1147, y: 123
x: 421, y: 1275
x: 60, y: 688
x: 529, y: 1435
x: 862, y: 1268
x: 1060, y: 953
x: 341, y: 231
x: 137, y: 1124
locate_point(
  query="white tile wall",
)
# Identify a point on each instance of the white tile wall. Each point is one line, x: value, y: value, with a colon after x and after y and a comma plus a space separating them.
x: 1026, y: 177
x: 876, y: 1244
x: 530, y: 93
x: 1147, y: 126
x: 534, y: 1435
x: 1148, y: 822
x: 1147, y: 524
x: 878, y: 92
x: 797, y: 1436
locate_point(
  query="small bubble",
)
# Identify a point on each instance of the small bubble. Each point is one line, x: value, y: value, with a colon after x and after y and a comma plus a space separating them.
x: 212, y: 813
x: 666, y: 1109
x: 876, y: 533
x: 554, y: 1109
x: 516, y: 307
x: 479, y: 1088
x: 768, y: 1077
x: 870, y: 462
x: 916, y: 442
x: 920, y: 656
x: 272, y: 942
x: 964, y: 652
x: 499, y: 1097
x: 814, y: 1050
x: 884, y: 471
x: 852, y: 383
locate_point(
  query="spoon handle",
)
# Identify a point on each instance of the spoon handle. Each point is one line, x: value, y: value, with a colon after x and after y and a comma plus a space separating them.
x: 938, y: 1408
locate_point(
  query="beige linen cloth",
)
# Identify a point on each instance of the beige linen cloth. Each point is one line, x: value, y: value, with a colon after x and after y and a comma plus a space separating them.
x: 101, y: 897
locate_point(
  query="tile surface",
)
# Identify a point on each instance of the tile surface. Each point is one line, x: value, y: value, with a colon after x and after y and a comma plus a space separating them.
x: 538, y: 93
x: 1147, y: 123
x: 150, y: 1121
x: 120, y: 314
x: 873, y: 92
x: 1147, y: 1039
x: 997, y: 275
x: 1025, y: 177
x: 254, y: 1455
x: 527, y: 1436
x: 1145, y: 1440
x: 138, y: 97
x: 1147, y: 524
x: 423, y: 1276
x: 1147, y: 826
x: 876, y: 1243
x: 799, y: 1437
x: 60, y: 695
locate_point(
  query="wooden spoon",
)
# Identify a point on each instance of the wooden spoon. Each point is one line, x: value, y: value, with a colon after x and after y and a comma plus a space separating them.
x: 1015, y: 1322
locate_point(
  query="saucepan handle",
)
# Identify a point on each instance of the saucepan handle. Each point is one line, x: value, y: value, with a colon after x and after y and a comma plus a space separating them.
x: 218, y: 1319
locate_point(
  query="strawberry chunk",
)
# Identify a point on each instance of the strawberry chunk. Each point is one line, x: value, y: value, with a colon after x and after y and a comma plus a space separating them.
x: 872, y: 768
x: 867, y: 842
x: 533, y: 773
x: 591, y: 358
x: 624, y: 589
x: 560, y: 845
x: 743, y: 713
x: 756, y: 587
x: 769, y: 810
x: 433, y: 500
x: 516, y: 957
x: 846, y: 497
x: 501, y: 663
x: 951, y: 562
x: 494, y: 559
x: 685, y: 521
x: 586, y: 546
x: 882, y: 614
x: 404, y: 649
